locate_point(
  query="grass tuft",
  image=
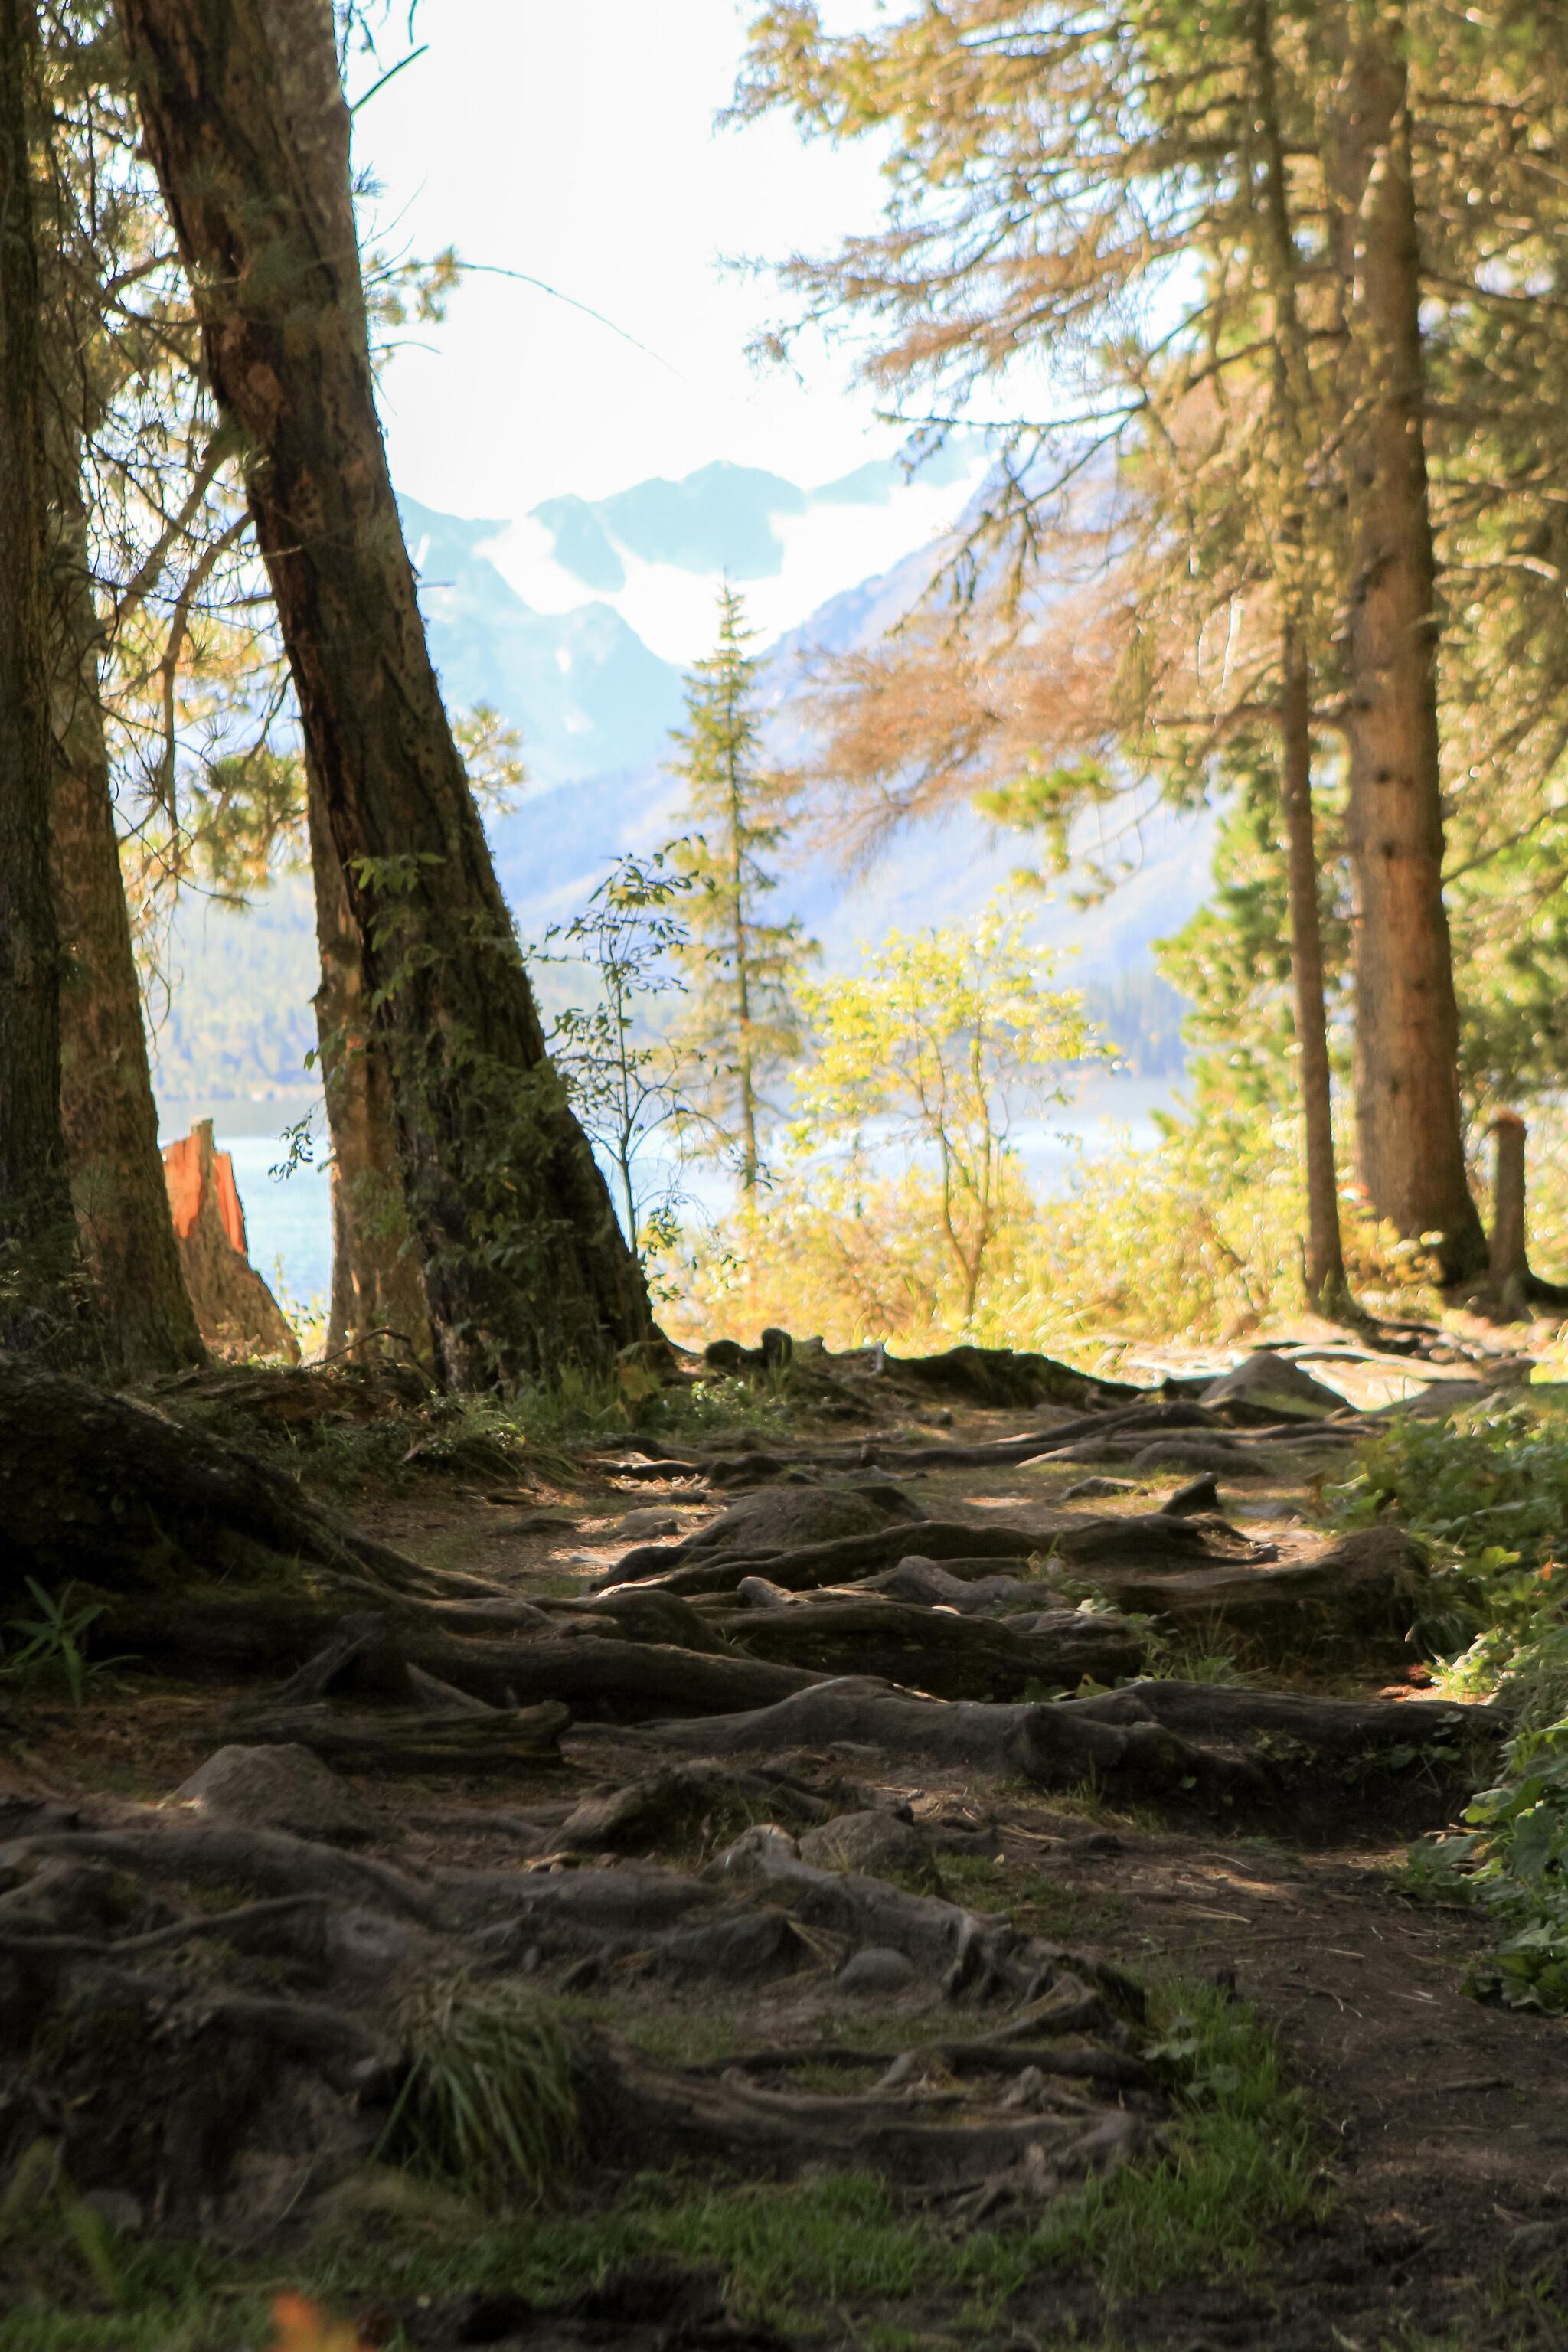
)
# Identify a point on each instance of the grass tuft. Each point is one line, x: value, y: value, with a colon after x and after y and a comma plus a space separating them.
x: 489, y: 2098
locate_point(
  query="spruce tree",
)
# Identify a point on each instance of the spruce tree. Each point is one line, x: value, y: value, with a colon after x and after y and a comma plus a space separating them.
x: 741, y: 1025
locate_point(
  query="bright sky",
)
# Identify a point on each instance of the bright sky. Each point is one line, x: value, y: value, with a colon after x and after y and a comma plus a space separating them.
x: 577, y: 143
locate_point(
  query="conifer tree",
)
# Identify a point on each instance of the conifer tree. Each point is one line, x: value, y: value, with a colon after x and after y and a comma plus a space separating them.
x: 40, y: 1308
x: 1049, y: 164
x: 740, y: 1023
x: 525, y: 1271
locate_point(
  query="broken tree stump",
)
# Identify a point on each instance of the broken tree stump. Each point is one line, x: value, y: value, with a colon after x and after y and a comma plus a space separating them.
x: 238, y: 1314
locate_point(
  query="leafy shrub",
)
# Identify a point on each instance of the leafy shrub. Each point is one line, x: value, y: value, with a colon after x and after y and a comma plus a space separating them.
x: 1489, y: 1496
x: 1199, y: 1237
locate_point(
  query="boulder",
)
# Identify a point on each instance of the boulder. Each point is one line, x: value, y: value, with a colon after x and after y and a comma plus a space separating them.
x: 1277, y: 1386
x: 879, y: 1969
x: 283, y: 1788
x: 876, y: 1844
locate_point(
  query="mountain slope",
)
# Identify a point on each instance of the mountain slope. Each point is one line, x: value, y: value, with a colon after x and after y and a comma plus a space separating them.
x: 595, y: 704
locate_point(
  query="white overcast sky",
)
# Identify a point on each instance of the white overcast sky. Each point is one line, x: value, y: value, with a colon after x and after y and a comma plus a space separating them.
x: 577, y: 143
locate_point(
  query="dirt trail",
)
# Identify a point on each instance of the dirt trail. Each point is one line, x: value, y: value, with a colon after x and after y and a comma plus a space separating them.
x: 1443, y: 2122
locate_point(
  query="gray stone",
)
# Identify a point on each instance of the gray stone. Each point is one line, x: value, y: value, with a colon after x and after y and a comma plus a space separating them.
x: 644, y: 1525
x: 757, y: 1851
x: 879, y: 1969
x: 1266, y: 1379
x: 756, y: 1593
x: 877, y: 1844
x: 283, y: 1788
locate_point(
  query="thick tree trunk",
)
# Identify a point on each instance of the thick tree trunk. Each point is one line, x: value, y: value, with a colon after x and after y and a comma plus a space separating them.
x: 524, y: 1267
x: 41, y: 1305
x: 1407, y: 1029
x: 378, y: 1298
x: 107, y: 1114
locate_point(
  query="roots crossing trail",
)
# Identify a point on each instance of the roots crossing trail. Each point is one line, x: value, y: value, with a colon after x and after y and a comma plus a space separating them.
x: 648, y: 1847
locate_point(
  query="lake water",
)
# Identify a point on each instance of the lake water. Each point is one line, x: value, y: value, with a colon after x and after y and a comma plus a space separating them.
x: 288, y: 1219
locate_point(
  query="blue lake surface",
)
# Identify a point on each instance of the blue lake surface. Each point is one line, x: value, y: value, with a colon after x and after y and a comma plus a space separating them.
x: 288, y: 1219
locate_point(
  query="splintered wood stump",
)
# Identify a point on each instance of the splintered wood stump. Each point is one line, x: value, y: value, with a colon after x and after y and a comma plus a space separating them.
x: 238, y: 1314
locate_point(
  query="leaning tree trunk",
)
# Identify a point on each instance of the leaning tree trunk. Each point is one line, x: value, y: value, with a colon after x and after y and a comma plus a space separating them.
x: 378, y: 1298
x: 1407, y: 1026
x: 524, y: 1267
x: 39, y: 1305
x: 107, y: 1114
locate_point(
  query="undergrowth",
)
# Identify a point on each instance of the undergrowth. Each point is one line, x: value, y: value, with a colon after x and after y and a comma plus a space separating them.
x: 488, y: 2100
x: 1487, y: 1494
x: 1488, y: 1497
x: 524, y: 1441
x: 1237, y: 2167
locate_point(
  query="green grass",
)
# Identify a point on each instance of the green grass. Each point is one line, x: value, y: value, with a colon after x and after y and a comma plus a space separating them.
x: 1239, y: 2165
x: 489, y: 2100
x: 1038, y: 1902
x: 1238, y: 2168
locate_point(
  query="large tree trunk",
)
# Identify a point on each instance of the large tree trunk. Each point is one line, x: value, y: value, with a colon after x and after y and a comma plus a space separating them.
x: 524, y: 1267
x: 107, y: 1114
x: 1407, y: 1029
x: 39, y: 1305
x: 378, y: 1298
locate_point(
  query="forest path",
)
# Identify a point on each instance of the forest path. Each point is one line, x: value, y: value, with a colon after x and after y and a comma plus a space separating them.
x: 1440, y: 2123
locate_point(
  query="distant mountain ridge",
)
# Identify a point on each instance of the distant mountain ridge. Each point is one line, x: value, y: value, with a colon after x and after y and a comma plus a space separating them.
x: 595, y: 704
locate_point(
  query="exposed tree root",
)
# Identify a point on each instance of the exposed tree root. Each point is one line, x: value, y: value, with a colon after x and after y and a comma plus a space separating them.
x: 116, y: 1496
x: 1181, y: 1742
x: 177, y: 2054
x: 499, y: 1739
x: 1353, y: 1600
x: 951, y: 1658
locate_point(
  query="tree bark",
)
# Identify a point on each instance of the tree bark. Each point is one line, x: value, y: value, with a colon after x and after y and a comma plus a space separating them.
x: 1408, y: 1028
x: 1510, y: 1265
x: 41, y: 1308
x: 107, y: 1114
x: 524, y: 1267
x: 378, y: 1297
x: 1323, y: 1270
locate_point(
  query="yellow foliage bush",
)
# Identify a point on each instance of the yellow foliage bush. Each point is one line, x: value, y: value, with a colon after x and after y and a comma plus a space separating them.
x: 1197, y: 1238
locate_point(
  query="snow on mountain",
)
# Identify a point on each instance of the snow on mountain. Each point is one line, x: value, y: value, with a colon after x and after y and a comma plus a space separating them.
x: 657, y: 553
x: 575, y: 625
